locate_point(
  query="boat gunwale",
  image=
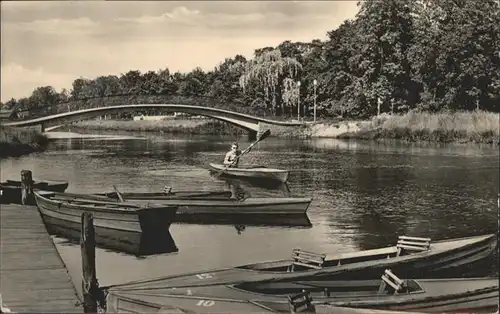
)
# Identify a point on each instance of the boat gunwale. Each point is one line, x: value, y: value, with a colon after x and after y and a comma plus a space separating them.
x: 418, y: 281
x: 131, y: 209
x: 377, y: 299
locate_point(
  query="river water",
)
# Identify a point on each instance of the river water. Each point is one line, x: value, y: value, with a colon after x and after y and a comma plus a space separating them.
x: 365, y: 194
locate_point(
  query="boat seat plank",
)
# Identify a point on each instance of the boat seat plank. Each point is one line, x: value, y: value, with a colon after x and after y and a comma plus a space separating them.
x: 301, y: 302
x: 302, y: 252
x: 375, y: 252
x: 414, y: 238
x: 426, y: 244
x: 306, y: 265
x: 412, y: 247
x: 393, y: 277
x: 388, y: 278
x: 90, y: 201
x: 306, y: 259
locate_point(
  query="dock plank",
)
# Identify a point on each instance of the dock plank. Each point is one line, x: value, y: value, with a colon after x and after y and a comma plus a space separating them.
x: 33, y: 277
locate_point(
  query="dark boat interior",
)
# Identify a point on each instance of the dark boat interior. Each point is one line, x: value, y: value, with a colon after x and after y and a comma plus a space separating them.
x: 325, y: 289
x: 299, y: 265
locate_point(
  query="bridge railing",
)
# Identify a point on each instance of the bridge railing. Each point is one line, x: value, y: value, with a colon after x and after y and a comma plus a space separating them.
x: 116, y: 100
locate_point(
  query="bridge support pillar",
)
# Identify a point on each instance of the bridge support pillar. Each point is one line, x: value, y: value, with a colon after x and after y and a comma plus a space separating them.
x: 42, y: 128
x: 252, y: 136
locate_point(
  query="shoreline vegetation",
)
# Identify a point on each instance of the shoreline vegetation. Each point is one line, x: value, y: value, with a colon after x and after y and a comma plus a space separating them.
x: 461, y: 127
x: 15, y: 142
x: 479, y: 127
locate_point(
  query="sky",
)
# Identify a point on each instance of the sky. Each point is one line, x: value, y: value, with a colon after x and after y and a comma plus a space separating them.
x: 55, y: 42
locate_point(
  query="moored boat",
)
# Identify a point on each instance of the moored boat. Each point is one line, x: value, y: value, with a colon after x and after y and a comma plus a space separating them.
x: 125, y: 222
x: 262, y: 173
x: 390, y: 293
x: 11, y: 189
x: 226, y: 206
x: 416, y: 258
x: 168, y: 194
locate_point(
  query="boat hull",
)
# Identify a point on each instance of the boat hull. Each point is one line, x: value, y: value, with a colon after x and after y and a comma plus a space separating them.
x: 219, y: 205
x: 431, y: 296
x: 252, y: 173
x: 220, y: 195
x: 112, y: 227
x: 370, y: 264
x: 11, y: 189
x: 249, y: 206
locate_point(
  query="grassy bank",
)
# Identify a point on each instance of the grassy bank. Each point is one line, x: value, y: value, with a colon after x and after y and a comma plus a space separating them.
x: 172, y: 126
x: 477, y: 126
x: 462, y: 127
x: 20, y: 141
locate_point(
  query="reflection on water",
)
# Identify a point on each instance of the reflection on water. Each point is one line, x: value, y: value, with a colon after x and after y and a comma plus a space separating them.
x: 365, y: 194
x: 141, y: 246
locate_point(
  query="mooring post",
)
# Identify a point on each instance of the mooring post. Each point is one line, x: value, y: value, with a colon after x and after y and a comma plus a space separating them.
x: 89, y: 279
x: 27, y: 197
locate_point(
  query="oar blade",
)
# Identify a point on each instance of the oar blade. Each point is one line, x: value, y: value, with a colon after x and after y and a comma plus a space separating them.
x: 264, y: 135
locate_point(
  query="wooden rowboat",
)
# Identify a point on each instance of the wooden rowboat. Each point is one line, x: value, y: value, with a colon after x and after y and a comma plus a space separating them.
x: 11, y: 189
x: 125, y: 222
x: 224, y: 205
x: 414, y: 257
x: 390, y: 293
x: 262, y: 173
x: 169, y: 194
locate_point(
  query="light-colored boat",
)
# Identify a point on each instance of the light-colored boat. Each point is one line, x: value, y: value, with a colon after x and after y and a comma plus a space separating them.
x: 472, y: 295
x: 218, y: 204
x: 412, y: 256
x: 262, y: 173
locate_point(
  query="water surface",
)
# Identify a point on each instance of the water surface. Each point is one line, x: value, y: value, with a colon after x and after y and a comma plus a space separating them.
x: 365, y: 195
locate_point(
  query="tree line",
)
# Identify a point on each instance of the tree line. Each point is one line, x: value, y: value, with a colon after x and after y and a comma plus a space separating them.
x: 394, y: 56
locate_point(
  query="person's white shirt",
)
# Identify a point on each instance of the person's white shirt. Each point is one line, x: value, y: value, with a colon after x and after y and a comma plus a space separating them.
x: 231, y: 156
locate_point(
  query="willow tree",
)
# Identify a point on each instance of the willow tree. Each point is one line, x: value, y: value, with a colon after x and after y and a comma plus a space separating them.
x: 268, y: 72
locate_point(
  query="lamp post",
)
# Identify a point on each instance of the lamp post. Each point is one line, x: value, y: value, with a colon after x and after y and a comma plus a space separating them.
x: 298, y: 100
x: 315, y: 83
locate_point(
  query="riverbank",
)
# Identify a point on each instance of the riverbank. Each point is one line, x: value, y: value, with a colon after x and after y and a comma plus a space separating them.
x: 172, y: 126
x: 16, y: 142
x: 462, y: 127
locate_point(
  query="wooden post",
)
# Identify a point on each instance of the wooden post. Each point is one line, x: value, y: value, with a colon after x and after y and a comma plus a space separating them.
x: 27, y: 197
x: 89, y: 279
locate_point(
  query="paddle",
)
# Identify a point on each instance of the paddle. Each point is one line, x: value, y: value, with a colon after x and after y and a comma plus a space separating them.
x: 261, y: 137
x: 118, y: 193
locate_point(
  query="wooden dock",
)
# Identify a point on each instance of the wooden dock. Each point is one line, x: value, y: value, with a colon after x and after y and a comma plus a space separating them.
x: 33, y: 276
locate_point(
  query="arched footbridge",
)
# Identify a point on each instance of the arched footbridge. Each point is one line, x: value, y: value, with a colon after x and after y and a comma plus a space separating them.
x: 245, y: 121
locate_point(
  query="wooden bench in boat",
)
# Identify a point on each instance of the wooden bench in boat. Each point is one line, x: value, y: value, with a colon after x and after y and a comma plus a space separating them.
x: 404, y: 244
x: 412, y: 244
x: 301, y: 302
x: 307, y: 259
x: 388, y: 278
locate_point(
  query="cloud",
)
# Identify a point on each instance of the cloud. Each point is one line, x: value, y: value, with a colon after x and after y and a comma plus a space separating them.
x: 58, y: 27
x: 18, y: 81
x: 44, y: 42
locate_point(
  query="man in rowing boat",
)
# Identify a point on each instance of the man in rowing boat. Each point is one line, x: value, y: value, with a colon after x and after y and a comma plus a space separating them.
x: 231, y: 160
x: 232, y: 156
